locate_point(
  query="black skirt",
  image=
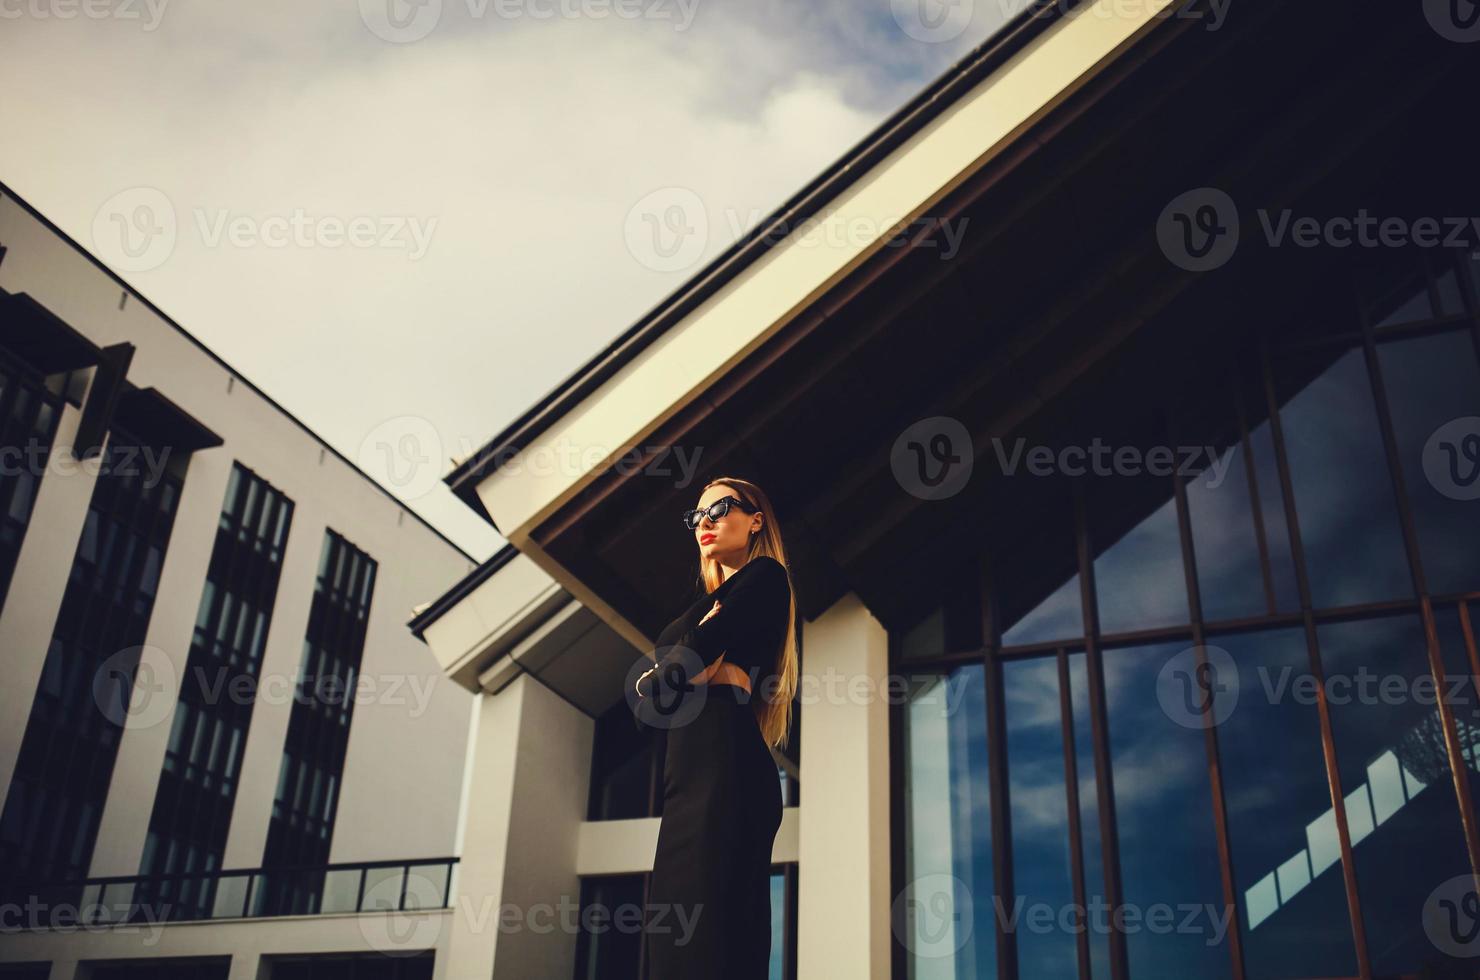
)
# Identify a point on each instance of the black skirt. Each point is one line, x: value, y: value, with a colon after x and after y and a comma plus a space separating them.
x: 708, y: 909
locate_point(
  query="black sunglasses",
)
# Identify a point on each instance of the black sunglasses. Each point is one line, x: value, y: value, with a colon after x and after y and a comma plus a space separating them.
x: 716, y: 510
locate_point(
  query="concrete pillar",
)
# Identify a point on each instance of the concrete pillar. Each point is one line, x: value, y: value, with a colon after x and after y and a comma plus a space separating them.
x: 246, y: 965
x: 41, y: 570
x: 843, y: 840
x: 517, y: 895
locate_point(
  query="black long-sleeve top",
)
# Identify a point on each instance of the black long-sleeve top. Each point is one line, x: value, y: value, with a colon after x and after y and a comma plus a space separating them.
x: 754, y: 614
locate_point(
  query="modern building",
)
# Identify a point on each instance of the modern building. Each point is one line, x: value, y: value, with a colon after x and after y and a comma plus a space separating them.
x: 220, y: 749
x: 1120, y: 400
x: 1098, y: 521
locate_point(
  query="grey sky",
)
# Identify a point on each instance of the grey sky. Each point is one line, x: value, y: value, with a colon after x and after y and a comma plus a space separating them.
x: 384, y: 210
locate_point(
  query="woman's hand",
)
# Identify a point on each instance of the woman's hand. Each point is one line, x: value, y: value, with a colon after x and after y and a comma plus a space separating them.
x: 698, y: 679
x: 704, y: 675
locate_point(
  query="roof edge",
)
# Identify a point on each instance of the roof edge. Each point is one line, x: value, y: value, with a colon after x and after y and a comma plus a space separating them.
x: 459, y: 591
x: 7, y: 192
x: 909, y: 119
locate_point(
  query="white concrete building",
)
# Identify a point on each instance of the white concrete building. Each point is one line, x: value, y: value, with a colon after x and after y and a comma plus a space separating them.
x: 162, y: 603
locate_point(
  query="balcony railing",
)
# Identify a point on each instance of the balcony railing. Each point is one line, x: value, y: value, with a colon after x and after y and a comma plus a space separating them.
x: 369, y: 886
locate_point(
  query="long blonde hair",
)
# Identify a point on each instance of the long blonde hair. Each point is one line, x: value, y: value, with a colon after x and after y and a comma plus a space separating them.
x: 774, y: 712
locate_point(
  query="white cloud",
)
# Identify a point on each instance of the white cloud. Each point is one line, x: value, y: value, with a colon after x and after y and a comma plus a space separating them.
x: 526, y: 143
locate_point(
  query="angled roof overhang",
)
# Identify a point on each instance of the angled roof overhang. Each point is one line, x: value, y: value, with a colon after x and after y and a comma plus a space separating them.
x: 805, y: 364
x: 617, y: 404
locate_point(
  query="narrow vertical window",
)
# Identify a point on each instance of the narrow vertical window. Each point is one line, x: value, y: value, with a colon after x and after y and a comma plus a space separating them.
x: 302, y: 824
x: 198, y: 782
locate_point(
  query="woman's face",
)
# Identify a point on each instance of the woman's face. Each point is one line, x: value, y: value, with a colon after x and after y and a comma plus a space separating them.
x: 726, y: 540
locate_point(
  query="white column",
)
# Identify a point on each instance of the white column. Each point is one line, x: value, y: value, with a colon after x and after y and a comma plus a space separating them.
x: 245, y: 965
x: 156, y: 693
x: 529, y: 776
x: 843, y: 840
x: 41, y: 570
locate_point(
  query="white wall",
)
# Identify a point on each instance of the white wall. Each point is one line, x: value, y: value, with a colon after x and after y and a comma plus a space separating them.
x: 526, y: 801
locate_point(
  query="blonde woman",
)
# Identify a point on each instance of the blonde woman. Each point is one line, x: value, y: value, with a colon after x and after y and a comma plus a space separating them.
x: 733, y: 651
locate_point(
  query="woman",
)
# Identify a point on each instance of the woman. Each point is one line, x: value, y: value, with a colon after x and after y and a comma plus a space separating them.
x: 725, y: 686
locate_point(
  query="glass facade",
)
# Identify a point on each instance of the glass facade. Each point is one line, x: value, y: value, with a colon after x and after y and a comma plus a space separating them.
x: 627, y: 784
x: 1182, y: 673
x: 198, y: 782
x: 86, y: 693
x: 303, y: 809
x: 609, y: 946
x: 627, y: 768
x: 29, y: 413
x: 154, y: 968
x: 359, y: 966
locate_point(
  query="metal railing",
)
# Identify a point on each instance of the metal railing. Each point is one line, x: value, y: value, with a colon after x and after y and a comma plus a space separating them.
x: 366, y: 886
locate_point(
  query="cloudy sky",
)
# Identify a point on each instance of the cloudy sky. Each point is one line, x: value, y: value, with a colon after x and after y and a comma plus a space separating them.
x: 407, y: 220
